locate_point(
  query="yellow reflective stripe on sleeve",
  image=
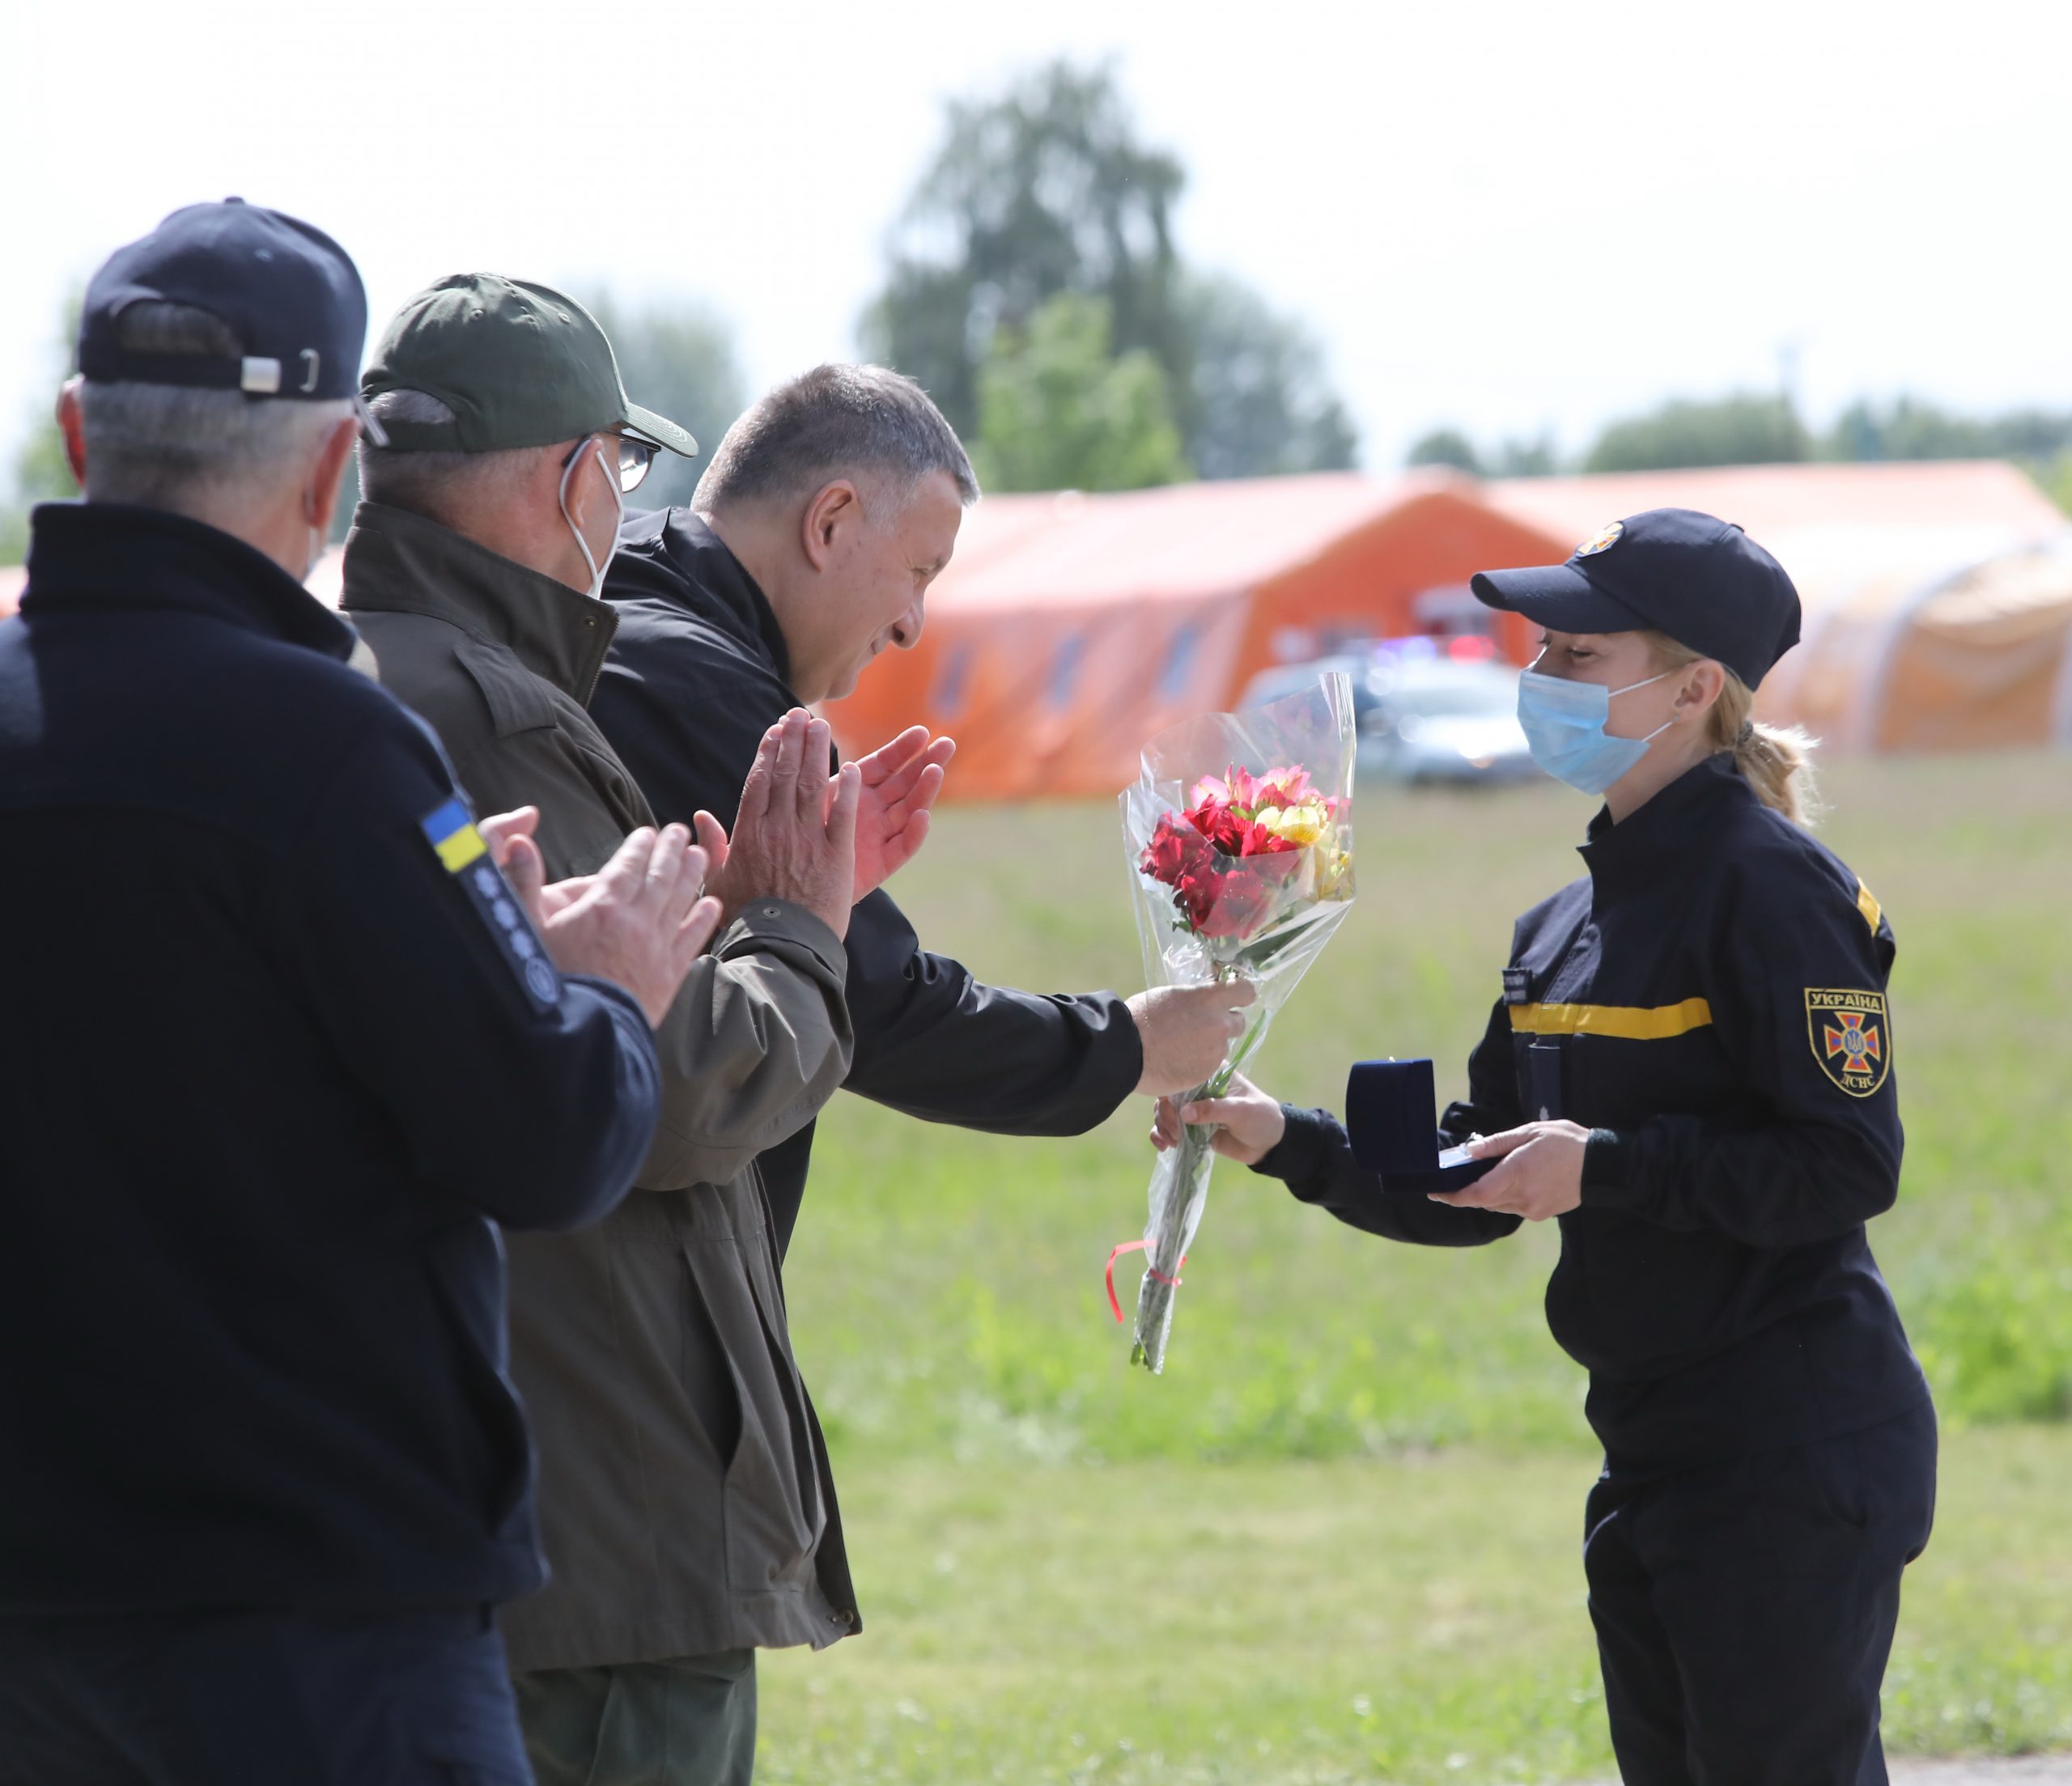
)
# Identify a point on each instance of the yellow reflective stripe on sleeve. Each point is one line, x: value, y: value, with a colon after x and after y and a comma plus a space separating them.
x: 461, y: 849
x: 1868, y: 906
x: 1628, y: 1023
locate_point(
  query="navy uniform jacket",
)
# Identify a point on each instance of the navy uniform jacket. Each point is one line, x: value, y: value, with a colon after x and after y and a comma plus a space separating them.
x: 1710, y: 1003
x: 272, y: 1067
x: 698, y: 672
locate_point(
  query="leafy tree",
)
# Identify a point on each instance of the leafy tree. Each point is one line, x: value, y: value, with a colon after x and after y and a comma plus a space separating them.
x: 1043, y: 189
x: 1907, y: 429
x: 1512, y: 459
x: 678, y: 359
x: 1743, y: 429
x: 1528, y: 458
x: 1047, y: 188
x: 1059, y: 409
x: 1446, y: 447
x: 1263, y: 404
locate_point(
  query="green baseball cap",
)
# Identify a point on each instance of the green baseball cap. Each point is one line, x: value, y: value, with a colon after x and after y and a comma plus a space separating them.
x: 519, y: 364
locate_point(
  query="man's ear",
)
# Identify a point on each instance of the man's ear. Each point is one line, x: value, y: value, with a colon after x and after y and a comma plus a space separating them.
x: 836, y: 509
x: 319, y: 499
x: 71, y: 424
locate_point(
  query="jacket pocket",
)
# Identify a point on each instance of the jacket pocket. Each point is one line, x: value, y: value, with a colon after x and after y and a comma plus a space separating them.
x: 517, y: 700
x: 1840, y: 1486
x: 770, y: 1498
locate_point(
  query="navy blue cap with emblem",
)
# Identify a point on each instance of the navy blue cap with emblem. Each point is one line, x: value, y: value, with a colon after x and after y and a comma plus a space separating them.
x: 288, y: 292
x: 1698, y: 579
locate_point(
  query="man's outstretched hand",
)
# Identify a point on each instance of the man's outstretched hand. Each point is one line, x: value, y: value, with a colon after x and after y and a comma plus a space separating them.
x: 901, y: 782
x: 1186, y: 1031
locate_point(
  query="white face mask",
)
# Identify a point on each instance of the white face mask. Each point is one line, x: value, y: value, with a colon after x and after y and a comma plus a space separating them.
x: 618, y: 504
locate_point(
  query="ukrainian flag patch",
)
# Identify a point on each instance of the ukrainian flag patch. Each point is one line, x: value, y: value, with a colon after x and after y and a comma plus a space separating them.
x: 451, y: 834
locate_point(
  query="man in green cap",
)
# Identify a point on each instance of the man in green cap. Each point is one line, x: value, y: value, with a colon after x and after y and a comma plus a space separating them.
x: 680, y: 1463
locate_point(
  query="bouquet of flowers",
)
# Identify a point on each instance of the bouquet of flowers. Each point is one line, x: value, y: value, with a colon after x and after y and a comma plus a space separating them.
x: 1239, y: 835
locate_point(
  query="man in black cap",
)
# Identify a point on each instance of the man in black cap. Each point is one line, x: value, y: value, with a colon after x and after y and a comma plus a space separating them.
x: 285, y: 1048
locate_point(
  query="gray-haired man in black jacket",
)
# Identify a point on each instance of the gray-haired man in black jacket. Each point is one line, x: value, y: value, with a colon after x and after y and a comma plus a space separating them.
x: 284, y: 1048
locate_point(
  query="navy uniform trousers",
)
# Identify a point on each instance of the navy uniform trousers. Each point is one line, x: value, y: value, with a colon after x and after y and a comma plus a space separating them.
x: 1744, y: 1611
x: 259, y: 1699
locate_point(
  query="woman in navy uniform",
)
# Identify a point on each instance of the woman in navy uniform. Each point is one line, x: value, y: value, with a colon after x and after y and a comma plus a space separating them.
x: 1690, y: 1069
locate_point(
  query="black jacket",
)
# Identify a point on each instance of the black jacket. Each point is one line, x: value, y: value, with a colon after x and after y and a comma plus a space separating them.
x: 1710, y: 1002
x: 698, y: 672
x: 273, y: 1069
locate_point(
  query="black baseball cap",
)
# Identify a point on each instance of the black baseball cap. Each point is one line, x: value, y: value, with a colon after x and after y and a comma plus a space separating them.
x: 1698, y: 579
x: 519, y: 364
x: 288, y: 292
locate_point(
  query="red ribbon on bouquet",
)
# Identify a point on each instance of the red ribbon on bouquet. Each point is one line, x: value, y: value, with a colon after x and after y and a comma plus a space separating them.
x: 1136, y: 1246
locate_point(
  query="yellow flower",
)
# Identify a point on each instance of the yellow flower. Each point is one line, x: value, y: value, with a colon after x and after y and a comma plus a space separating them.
x: 1304, y: 824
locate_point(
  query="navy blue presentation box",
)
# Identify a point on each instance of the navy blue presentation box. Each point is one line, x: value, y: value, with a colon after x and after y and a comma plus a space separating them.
x: 1391, y: 1118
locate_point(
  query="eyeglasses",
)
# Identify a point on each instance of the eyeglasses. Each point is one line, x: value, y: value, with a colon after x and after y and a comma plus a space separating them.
x: 635, y: 457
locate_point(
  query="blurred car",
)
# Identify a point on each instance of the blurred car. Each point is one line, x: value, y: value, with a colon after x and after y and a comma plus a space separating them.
x: 1444, y: 720
x: 1286, y: 679
x: 1427, y: 711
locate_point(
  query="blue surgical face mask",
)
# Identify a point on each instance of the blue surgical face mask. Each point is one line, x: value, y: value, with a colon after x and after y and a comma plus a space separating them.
x: 1563, y: 723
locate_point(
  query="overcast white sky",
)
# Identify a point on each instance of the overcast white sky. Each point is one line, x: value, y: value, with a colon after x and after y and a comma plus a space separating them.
x: 1511, y: 216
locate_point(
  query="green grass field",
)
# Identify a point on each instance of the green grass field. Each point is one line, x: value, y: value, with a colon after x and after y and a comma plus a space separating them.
x: 1338, y: 1539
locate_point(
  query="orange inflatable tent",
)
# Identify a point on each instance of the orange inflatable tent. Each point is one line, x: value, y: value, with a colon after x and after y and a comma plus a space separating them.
x: 1069, y: 628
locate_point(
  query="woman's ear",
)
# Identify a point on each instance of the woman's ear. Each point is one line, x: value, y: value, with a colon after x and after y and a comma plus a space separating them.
x: 1704, y: 681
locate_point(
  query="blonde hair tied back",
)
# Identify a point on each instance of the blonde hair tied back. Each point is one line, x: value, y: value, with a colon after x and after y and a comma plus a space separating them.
x: 1775, y: 760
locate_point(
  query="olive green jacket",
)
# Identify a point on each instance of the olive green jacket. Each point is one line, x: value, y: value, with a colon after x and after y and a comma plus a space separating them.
x: 685, y: 1502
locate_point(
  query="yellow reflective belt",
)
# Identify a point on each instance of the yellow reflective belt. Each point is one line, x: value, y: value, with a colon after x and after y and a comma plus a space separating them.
x: 1629, y: 1022
x: 1868, y: 906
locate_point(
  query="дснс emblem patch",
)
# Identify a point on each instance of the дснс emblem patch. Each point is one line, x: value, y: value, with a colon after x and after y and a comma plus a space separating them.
x: 1852, y: 1037
x: 1602, y: 540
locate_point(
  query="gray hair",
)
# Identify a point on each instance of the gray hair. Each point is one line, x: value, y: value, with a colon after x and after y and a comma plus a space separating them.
x: 156, y: 445
x: 834, y: 421
x: 428, y: 483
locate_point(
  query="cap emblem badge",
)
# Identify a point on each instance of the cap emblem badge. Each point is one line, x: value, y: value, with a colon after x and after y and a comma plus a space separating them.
x: 1602, y: 540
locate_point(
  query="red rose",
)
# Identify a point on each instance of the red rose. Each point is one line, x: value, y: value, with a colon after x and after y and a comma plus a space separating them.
x: 1238, y: 903
x: 1174, y: 847
x: 1223, y: 826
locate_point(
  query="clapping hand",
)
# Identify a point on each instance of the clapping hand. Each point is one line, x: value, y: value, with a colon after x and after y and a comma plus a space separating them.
x: 795, y: 836
x: 901, y: 780
x: 639, y: 922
